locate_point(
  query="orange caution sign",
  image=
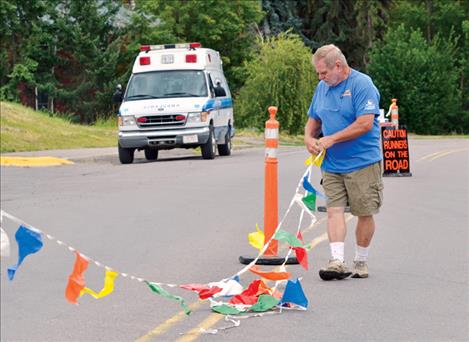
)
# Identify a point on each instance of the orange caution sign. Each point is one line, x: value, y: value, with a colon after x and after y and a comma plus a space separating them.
x: 395, y: 151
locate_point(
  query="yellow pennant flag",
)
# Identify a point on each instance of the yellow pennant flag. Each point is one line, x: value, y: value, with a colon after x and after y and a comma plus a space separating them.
x: 107, y: 289
x: 256, y: 239
x: 316, y: 159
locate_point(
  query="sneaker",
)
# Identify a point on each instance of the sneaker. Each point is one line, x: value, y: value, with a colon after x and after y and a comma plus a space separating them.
x: 360, y: 269
x: 336, y: 269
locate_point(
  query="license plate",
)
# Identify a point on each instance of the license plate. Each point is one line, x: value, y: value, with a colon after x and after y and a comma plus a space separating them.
x: 189, y: 139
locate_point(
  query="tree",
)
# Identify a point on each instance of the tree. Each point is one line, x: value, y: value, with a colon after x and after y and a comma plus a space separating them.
x: 225, y: 26
x: 423, y: 77
x: 281, y: 75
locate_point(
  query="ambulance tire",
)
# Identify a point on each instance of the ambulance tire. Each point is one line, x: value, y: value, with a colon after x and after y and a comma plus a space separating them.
x: 151, y: 154
x: 126, y: 155
x: 225, y: 149
x: 209, y: 149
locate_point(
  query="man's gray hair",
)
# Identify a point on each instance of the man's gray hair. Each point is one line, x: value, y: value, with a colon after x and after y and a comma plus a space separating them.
x: 330, y: 53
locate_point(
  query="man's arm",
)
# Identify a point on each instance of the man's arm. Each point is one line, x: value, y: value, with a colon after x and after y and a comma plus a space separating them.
x: 360, y: 126
x: 312, y: 130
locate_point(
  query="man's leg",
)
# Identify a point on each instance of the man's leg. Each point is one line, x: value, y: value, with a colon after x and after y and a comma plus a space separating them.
x: 365, y: 230
x: 336, y: 229
x: 363, y: 233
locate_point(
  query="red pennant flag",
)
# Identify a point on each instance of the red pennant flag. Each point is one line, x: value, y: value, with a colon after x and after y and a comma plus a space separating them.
x: 243, y: 299
x: 204, y: 291
x: 76, y: 280
x: 270, y: 275
x: 207, y: 293
x: 301, y: 256
x: 299, y: 236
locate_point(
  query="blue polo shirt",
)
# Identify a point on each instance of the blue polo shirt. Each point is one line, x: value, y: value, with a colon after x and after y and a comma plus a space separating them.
x: 338, y: 107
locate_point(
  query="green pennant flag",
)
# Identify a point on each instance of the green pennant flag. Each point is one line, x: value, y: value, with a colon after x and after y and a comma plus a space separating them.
x: 287, y: 237
x: 310, y: 201
x: 264, y: 303
x: 162, y: 292
x: 226, y: 310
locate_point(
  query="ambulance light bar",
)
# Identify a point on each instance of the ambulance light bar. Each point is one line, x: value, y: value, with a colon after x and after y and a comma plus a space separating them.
x: 190, y: 46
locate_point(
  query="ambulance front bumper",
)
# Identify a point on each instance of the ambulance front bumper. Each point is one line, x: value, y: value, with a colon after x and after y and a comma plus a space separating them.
x: 187, y: 137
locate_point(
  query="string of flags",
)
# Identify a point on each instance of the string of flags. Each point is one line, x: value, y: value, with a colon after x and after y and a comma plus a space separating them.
x: 227, y: 296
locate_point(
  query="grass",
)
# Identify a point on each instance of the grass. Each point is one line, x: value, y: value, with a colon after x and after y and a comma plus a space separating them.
x: 24, y: 129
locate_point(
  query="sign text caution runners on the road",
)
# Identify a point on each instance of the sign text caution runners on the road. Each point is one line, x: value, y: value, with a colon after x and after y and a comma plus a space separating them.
x: 395, y: 151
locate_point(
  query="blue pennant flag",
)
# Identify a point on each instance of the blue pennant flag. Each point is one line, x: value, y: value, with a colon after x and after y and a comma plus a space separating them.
x: 294, y: 294
x: 308, y: 187
x: 29, y: 242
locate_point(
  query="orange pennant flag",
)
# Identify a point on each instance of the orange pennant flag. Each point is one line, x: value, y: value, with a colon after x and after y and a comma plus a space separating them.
x: 76, y: 281
x: 270, y: 275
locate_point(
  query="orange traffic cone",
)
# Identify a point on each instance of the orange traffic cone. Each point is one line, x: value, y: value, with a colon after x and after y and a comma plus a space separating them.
x: 270, y: 195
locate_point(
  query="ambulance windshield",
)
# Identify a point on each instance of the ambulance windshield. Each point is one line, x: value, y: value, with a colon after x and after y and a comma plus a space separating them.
x: 166, y: 84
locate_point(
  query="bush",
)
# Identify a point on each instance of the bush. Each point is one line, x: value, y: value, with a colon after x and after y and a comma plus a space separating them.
x: 423, y: 77
x: 281, y: 75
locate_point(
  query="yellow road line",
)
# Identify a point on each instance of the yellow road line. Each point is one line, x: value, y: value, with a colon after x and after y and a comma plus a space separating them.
x: 193, y: 334
x: 435, y: 155
x: 446, y: 153
x: 33, y: 161
x: 160, y: 329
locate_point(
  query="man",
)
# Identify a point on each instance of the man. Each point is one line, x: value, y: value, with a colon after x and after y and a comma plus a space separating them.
x: 344, y: 108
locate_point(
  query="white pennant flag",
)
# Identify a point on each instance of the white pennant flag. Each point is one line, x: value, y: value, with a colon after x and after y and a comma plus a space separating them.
x: 5, y: 244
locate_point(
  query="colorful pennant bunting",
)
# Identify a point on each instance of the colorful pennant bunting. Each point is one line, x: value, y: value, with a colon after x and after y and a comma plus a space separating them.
x: 29, y: 241
x: 301, y: 256
x: 294, y: 294
x: 270, y: 275
x: 308, y: 187
x: 229, y: 287
x: 310, y: 201
x: 4, y: 243
x: 226, y: 310
x: 287, y: 237
x: 76, y: 280
x: 257, y: 238
x: 108, y: 286
x: 162, y: 292
x: 316, y: 159
x: 265, y: 302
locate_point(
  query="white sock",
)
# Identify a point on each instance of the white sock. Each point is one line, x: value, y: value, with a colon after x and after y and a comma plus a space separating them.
x: 361, y: 253
x: 337, y: 250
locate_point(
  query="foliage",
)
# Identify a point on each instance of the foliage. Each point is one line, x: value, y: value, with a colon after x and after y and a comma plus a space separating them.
x: 423, y: 77
x: 281, y: 75
x: 226, y: 26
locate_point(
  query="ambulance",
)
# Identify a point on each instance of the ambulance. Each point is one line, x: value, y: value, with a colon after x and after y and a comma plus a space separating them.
x: 177, y: 97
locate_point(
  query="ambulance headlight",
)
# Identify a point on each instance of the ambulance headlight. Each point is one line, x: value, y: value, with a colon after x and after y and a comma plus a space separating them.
x: 126, y: 120
x: 196, y: 117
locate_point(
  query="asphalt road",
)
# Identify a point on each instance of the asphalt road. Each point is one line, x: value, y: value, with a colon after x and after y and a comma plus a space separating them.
x: 185, y: 220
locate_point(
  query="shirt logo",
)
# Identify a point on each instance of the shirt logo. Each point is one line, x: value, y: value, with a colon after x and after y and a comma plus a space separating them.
x: 370, y: 105
x: 347, y: 93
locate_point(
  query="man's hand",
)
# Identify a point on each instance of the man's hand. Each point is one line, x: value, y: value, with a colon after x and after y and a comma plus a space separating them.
x: 326, y: 142
x: 313, y: 145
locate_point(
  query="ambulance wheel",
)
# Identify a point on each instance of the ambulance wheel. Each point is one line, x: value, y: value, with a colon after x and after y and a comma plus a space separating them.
x: 126, y: 155
x: 209, y: 149
x: 151, y: 154
x: 225, y: 149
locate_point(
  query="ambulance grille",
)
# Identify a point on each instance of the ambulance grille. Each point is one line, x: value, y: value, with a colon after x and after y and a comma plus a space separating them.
x: 161, y: 121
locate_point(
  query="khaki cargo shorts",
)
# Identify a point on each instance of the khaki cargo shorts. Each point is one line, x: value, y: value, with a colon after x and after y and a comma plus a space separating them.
x: 361, y: 189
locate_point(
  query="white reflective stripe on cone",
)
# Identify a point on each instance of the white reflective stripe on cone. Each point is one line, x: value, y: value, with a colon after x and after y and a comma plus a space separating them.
x: 271, y: 133
x: 271, y: 152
